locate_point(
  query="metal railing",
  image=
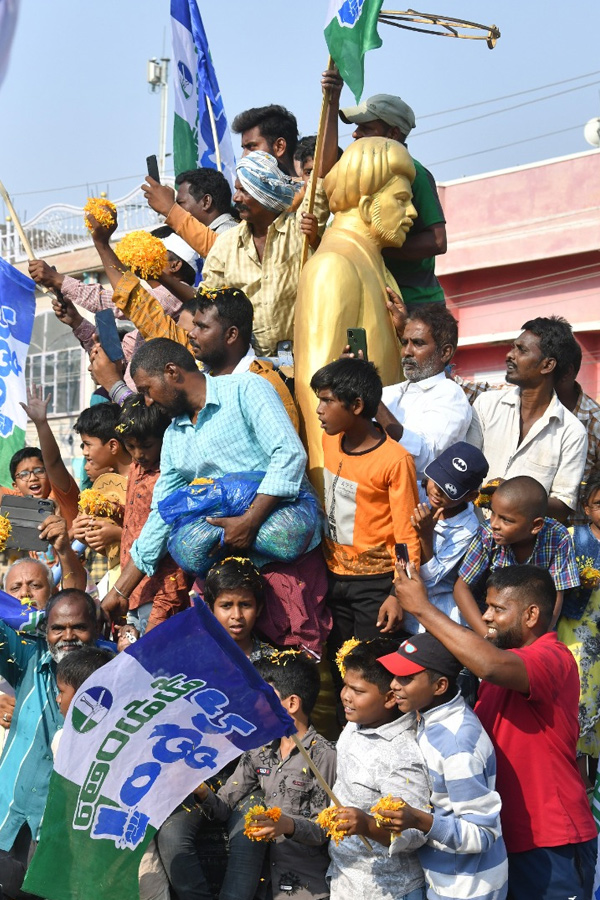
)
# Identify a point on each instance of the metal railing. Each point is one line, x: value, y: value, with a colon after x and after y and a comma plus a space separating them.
x: 61, y: 227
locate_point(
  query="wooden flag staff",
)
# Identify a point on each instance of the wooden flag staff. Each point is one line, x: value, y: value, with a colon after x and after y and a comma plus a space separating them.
x: 316, y: 163
x: 322, y: 783
x: 20, y: 231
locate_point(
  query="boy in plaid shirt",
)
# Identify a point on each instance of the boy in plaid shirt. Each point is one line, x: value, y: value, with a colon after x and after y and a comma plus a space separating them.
x: 518, y: 532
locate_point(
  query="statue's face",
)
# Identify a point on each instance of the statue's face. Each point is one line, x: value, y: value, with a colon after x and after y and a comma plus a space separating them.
x: 392, y: 212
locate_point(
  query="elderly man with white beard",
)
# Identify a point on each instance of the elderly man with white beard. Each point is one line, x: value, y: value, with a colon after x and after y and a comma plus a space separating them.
x: 425, y: 413
x: 26, y: 764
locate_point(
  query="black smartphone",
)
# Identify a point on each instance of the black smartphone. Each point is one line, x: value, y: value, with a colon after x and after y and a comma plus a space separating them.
x: 357, y: 340
x: 402, y: 556
x: 152, y: 164
x: 24, y: 515
x: 106, y: 329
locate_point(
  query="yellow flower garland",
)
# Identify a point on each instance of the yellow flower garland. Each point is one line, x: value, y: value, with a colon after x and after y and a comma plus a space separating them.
x: 5, y: 530
x: 102, y: 210
x: 250, y: 827
x: 326, y: 819
x: 145, y: 254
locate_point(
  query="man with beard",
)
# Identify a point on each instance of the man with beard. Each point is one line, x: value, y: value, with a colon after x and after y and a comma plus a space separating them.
x: 528, y: 704
x: 527, y: 430
x: 222, y: 426
x: 26, y: 764
x: 428, y: 412
x: 384, y: 115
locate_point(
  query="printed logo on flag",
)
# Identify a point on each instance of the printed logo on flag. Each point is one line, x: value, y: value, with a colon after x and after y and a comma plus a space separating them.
x: 91, y: 708
x: 186, y: 79
x: 349, y: 12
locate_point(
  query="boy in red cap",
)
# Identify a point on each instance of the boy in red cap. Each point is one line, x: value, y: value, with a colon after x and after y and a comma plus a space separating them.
x: 464, y: 855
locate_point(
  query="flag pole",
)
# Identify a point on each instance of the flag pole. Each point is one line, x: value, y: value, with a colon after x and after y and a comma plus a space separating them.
x: 12, y: 213
x: 316, y: 164
x: 213, y: 128
x: 322, y: 783
x: 21, y: 232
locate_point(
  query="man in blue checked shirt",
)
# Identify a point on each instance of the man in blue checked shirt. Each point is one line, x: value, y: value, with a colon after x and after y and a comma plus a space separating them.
x: 220, y: 426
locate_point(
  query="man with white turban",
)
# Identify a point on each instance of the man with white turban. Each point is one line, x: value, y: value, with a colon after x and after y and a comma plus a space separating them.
x: 262, y: 255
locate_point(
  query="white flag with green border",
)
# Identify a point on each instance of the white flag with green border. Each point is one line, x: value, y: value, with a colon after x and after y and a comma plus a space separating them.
x: 195, y: 84
x: 17, y: 312
x: 351, y: 30
x: 141, y: 733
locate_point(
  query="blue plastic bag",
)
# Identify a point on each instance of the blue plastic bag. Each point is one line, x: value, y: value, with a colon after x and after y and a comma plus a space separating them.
x: 284, y: 535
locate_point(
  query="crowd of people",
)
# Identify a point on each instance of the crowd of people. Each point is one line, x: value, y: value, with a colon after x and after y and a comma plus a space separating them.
x: 435, y: 642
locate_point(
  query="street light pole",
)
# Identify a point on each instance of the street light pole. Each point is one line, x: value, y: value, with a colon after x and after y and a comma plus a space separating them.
x: 158, y: 79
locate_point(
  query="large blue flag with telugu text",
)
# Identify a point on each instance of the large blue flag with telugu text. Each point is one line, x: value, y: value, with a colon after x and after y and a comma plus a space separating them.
x: 140, y: 735
x: 199, y: 111
x: 17, y: 312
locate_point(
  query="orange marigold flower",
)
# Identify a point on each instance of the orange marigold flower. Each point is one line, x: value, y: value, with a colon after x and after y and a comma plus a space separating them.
x: 102, y: 210
x: 93, y: 503
x: 343, y: 652
x: 145, y: 254
x: 383, y: 805
x: 326, y: 819
x: 5, y: 530
x: 250, y: 826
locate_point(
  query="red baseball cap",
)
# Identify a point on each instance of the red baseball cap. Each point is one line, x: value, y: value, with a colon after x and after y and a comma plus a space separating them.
x: 420, y: 652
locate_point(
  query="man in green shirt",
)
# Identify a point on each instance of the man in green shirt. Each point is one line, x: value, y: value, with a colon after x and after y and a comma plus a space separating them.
x: 413, y: 264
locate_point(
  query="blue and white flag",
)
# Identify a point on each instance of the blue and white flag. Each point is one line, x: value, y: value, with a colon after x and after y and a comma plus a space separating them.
x: 19, y: 615
x: 195, y: 84
x: 9, y: 11
x: 17, y: 312
x: 140, y: 735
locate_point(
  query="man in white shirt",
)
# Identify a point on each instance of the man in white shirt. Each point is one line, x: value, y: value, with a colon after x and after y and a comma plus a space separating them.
x: 428, y: 412
x: 527, y: 430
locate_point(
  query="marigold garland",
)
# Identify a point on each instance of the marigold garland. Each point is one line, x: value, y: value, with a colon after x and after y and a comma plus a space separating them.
x: 5, y: 530
x: 326, y: 819
x: 93, y: 503
x: 346, y: 648
x: 250, y: 826
x: 383, y: 805
x: 102, y: 210
x: 143, y: 253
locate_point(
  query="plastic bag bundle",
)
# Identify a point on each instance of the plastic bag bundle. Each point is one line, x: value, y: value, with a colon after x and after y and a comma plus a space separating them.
x: 283, y: 536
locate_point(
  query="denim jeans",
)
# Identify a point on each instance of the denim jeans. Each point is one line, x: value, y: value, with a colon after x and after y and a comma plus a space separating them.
x: 245, y: 858
x: 176, y: 840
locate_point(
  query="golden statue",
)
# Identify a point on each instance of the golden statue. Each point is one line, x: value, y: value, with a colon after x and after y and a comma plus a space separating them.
x: 344, y: 284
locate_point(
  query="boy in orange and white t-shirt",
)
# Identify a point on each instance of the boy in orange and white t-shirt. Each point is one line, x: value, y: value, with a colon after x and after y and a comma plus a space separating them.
x: 370, y: 494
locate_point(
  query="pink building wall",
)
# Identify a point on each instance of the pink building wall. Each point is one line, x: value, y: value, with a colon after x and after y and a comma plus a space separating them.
x: 524, y: 243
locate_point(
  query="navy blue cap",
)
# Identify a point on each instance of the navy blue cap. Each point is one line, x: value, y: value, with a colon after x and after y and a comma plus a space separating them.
x: 458, y: 470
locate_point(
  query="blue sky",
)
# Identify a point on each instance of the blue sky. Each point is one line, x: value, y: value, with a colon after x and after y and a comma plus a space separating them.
x: 78, y: 117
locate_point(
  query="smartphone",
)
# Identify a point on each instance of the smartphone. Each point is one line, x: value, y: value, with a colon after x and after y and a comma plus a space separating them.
x: 24, y: 515
x: 152, y: 164
x: 402, y: 556
x: 106, y: 329
x: 357, y: 339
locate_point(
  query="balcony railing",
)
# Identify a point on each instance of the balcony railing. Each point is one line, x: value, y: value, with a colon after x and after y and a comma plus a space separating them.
x: 61, y: 227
